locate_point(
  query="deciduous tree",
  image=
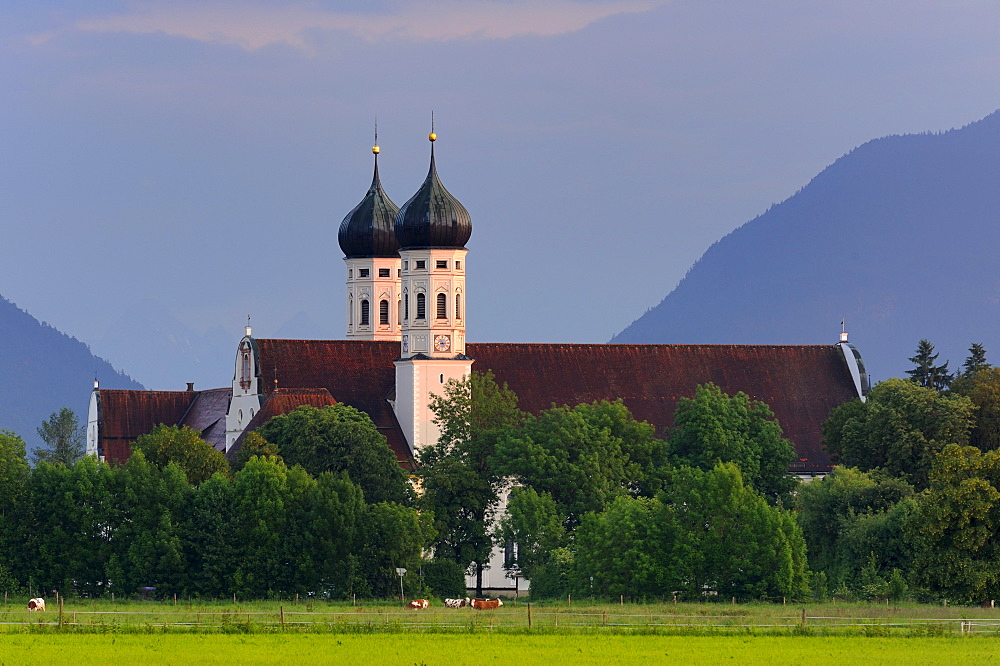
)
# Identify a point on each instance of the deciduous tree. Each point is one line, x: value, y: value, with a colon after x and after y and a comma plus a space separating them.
x: 713, y: 427
x: 340, y: 438
x: 183, y: 446
x: 64, y: 438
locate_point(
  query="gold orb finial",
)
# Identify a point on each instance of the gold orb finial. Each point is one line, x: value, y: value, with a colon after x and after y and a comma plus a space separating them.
x: 376, y: 149
x: 432, y: 136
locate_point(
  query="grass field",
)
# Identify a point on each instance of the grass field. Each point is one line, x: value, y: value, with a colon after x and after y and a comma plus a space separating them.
x: 423, y: 648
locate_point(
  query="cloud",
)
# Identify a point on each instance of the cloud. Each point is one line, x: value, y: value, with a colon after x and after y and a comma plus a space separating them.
x: 252, y: 26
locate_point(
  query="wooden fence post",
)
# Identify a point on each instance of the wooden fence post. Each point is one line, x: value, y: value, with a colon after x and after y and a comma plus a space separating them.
x: 60, y: 610
x: 175, y: 598
x: 803, y: 617
x: 529, y: 615
x: 604, y: 620
x: 282, y: 616
x: 569, y: 600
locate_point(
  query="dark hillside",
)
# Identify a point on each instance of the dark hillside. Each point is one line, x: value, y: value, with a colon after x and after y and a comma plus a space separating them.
x: 43, y: 370
x: 900, y: 237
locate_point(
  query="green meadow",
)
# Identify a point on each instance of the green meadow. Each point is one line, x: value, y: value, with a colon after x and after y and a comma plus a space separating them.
x: 522, y: 650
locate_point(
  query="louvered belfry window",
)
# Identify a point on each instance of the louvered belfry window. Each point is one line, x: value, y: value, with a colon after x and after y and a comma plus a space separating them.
x: 421, y: 306
x: 365, y: 314
x: 458, y: 306
x: 442, y: 306
x: 383, y: 312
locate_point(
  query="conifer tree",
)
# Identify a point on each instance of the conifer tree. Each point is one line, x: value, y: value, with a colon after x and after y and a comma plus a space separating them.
x: 926, y: 372
x: 976, y: 360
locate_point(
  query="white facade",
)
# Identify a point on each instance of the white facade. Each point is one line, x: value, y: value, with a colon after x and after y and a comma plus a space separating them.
x: 93, y: 421
x: 247, y: 391
x: 432, y: 340
x: 374, y: 304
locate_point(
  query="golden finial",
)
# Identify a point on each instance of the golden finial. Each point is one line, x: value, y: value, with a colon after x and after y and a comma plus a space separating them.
x: 375, y: 148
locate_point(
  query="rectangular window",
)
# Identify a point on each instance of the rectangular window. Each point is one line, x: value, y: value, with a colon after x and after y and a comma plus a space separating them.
x: 442, y: 264
x: 362, y: 272
x: 383, y: 272
x: 406, y: 265
x: 350, y: 273
x: 398, y: 272
x: 458, y: 265
x: 421, y: 265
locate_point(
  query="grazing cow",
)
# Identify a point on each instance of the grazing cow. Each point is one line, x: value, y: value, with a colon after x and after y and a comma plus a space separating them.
x: 486, y: 604
x: 36, y: 604
x: 989, y: 603
x: 419, y: 603
x: 456, y: 603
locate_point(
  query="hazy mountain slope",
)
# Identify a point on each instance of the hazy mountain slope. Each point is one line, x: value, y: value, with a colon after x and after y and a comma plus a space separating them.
x: 900, y: 237
x: 43, y: 370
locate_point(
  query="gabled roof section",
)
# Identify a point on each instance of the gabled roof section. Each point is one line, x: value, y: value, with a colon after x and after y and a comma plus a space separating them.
x: 802, y: 384
x: 125, y: 415
x: 207, y: 415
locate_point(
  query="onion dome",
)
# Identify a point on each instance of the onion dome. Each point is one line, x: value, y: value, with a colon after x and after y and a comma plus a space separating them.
x: 368, y: 230
x: 433, y: 217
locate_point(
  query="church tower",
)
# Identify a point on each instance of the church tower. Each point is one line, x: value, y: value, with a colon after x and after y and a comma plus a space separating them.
x: 368, y: 240
x: 432, y: 229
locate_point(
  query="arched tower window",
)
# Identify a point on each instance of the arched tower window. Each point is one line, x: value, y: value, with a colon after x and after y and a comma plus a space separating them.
x: 406, y: 307
x: 458, y: 306
x: 442, y: 306
x: 365, y: 312
x: 350, y: 312
x: 383, y: 312
x: 421, y: 306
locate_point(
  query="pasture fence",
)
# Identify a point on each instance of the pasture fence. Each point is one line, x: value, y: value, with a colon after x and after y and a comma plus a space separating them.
x: 506, y: 619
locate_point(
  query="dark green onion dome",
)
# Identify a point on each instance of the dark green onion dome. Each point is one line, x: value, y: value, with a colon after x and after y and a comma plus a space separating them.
x: 368, y: 230
x: 433, y: 217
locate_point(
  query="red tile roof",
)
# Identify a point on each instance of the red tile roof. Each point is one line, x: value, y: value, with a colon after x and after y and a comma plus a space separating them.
x: 124, y: 415
x: 802, y: 384
x: 282, y: 401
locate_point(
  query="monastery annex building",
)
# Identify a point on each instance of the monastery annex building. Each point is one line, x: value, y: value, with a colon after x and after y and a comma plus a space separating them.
x: 406, y: 270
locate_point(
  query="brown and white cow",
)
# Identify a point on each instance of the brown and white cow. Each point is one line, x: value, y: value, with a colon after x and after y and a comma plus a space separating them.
x: 419, y: 603
x: 486, y: 604
x: 36, y: 604
x: 457, y: 603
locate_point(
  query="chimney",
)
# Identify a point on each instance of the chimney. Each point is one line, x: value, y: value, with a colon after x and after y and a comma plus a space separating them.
x: 190, y: 386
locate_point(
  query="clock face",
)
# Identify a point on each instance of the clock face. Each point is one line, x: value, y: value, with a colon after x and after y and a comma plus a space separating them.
x: 406, y: 343
x: 442, y: 343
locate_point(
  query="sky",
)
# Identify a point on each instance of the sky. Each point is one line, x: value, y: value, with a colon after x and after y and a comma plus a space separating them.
x: 170, y: 167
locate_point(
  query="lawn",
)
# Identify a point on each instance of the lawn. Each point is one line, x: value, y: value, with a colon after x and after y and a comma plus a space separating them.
x: 523, y: 650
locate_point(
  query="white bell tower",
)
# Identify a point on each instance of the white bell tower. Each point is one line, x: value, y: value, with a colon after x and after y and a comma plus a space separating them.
x: 432, y: 229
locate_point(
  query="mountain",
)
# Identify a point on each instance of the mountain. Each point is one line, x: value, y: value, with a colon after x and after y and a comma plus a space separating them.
x: 165, y: 353
x: 44, y: 370
x: 900, y: 238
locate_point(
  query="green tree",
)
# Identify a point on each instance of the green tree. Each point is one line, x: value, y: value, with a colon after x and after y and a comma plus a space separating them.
x: 926, y: 372
x: 208, y: 539
x: 900, y: 428
x: 730, y: 539
x: 64, y: 437
x: 976, y: 360
x: 460, y: 485
x: 983, y: 389
x: 713, y: 427
x: 956, y: 529
x: 535, y: 524
x: 843, y: 518
x: 584, y: 457
x: 151, y: 509
x: 340, y: 438
x: 14, y: 473
x: 394, y: 536
x: 260, y: 497
x: 254, y: 444
x: 627, y: 549
x: 183, y: 446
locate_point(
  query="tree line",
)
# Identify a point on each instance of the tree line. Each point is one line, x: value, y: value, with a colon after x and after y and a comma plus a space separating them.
x: 584, y: 499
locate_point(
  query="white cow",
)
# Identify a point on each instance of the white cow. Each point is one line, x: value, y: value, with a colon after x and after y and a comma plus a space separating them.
x: 36, y: 604
x: 456, y: 603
